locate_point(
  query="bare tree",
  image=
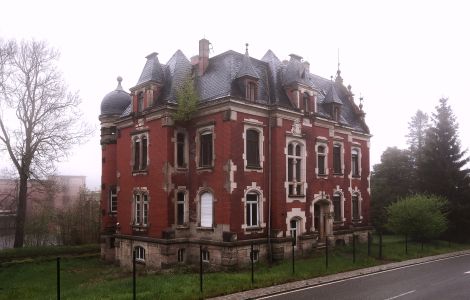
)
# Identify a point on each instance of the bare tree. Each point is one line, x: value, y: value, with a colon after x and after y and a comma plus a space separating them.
x: 39, y: 118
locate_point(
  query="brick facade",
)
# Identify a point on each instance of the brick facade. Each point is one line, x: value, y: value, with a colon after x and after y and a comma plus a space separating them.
x: 229, y: 180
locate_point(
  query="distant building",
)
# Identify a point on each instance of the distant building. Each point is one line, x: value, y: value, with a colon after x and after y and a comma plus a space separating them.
x: 274, y: 154
x: 59, y: 192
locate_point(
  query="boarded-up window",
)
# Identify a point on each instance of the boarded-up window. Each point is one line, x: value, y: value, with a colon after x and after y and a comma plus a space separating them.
x: 206, y: 209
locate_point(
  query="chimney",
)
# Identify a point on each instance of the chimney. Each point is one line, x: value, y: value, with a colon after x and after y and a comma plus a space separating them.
x: 203, y: 56
x: 306, y: 66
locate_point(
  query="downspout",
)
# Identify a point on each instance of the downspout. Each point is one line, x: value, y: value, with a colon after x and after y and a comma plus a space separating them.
x: 270, y: 252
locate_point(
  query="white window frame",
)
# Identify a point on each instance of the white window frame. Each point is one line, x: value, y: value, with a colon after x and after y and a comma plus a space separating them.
x: 205, y: 255
x: 359, y: 158
x: 325, y: 155
x: 357, y: 192
x: 253, y: 189
x: 139, y: 254
x: 140, y: 200
x: 113, y: 198
x: 185, y: 207
x: 296, y: 181
x: 181, y: 255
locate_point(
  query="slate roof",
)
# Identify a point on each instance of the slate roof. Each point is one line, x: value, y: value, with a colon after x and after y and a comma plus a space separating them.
x: 152, y: 70
x: 116, y: 101
x: 220, y: 79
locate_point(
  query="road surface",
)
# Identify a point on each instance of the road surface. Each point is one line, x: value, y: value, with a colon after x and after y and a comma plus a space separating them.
x: 443, y: 279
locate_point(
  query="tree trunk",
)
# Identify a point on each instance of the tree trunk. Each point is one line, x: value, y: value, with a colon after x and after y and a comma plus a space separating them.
x: 21, y: 212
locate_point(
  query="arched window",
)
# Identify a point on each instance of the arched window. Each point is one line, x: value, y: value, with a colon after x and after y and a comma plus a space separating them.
x: 321, y: 155
x: 355, y: 207
x: 206, y: 209
x: 294, y: 230
x: 252, y: 209
x: 140, y: 152
x: 205, y: 149
x: 139, y: 253
x: 337, y: 208
x: 141, y: 209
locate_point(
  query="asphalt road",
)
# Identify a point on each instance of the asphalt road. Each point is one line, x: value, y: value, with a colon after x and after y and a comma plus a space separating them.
x: 443, y: 279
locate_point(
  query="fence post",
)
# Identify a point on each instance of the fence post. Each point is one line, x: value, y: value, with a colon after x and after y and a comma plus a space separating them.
x: 293, y: 255
x: 380, y: 245
x: 369, y: 242
x: 58, y: 278
x: 354, y: 248
x: 200, y: 268
x: 252, y: 264
x: 326, y: 252
x: 133, y: 275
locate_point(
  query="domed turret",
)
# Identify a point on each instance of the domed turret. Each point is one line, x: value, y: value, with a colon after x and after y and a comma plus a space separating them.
x: 115, y: 102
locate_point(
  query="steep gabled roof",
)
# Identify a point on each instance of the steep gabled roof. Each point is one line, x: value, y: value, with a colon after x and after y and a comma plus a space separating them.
x: 246, y: 68
x: 331, y: 96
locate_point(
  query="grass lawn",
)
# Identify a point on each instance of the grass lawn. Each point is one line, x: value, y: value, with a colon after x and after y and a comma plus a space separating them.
x: 89, y: 278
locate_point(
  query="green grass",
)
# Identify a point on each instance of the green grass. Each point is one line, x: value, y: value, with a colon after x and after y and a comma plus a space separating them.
x: 90, y: 278
x: 45, y: 252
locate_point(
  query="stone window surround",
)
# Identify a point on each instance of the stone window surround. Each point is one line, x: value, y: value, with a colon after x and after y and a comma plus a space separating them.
x: 359, y: 161
x: 357, y: 192
x: 254, y: 188
x: 258, y: 126
x: 324, y: 143
x: 140, y: 252
x: 341, y: 156
x: 178, y: 190
x: 134, y: 138
x: 186, y: 148
x: 299, y: 214
x: 140, y: 191
x: 303, y: 155
x: 197, y: 200
x: 199, y: 132
x: 113, y: 193
x: 338, y: 191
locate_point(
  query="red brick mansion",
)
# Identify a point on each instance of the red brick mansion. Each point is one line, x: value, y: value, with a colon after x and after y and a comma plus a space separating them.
x: 272, y: 154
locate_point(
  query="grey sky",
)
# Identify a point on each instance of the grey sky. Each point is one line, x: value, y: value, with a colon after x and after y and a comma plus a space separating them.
x: 399, y: 55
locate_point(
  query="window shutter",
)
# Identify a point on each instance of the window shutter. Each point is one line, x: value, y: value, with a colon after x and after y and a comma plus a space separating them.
x: 206, y: 210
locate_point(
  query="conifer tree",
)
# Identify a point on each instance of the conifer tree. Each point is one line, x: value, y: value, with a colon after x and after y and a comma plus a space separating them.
x: 416, y: 137
x: 443, y: 171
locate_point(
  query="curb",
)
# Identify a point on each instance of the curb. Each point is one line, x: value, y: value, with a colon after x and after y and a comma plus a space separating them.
x: 297, y: 285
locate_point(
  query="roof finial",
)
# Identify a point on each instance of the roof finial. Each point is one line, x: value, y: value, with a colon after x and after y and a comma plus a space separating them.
x: 338, y: 61
x: 246, y: 49
x: 119, y: 87
x: 331, y: 77
x: 360, y: 101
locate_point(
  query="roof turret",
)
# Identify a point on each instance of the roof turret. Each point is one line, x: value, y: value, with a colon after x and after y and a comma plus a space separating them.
x: 115, y: 102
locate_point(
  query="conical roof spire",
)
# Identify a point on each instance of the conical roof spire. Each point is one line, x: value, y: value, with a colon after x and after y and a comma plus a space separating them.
x: 332, y: 95
x: 247, y: 68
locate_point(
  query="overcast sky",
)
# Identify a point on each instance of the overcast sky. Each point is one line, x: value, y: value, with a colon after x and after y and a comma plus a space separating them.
x: 401, y: 56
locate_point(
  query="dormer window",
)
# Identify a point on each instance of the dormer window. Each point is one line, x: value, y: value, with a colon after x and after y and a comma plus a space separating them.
x: 251, y: 91
x: 306, y: 99
x: 140, y: 102
x: 336, y: 113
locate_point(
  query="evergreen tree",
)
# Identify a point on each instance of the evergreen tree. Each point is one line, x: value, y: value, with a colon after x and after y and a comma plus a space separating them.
x: 416, y: 137
x: 391, y: 179
x: 443, y: 168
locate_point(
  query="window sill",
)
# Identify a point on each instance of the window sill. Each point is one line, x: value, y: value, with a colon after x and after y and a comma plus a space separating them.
x: 139, y: 172
x: 338, y: 174
x: 205, y: 228
x: 356, y: 176
x: 253, y: 228
x: 142, y: 228
x: 249, y: 167
x: 180, y: 169
x: 296, y: 196
x: 205, y: 168
x: 182, y: 227
x: 322, y: 175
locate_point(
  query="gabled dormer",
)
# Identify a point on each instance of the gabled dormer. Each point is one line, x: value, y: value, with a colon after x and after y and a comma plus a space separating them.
x: 247, y: 78
x: 333, y: 102
x: 149, y: 85
x: 297, y: 86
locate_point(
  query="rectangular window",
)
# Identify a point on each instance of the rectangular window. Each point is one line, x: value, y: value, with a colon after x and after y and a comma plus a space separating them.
x: 355, y: 163
x: 113, y: 200
x: 181, y: 255
x: 254, y: 256
x: 180, y: 150
x: 355, y: 207
x: 337, y: 208
x: 321, y: 154
x: 337, y: 159
x: 136, y: 155
x: 205, y: 159
x: 145, y: 210
x: 252, y: 148
x: 144, y: 153
x: 251, y: 91
x: 205, y: 255
x: 180, y: 208
x: 138, y: 209
x: 252, y: 210
x: 206, y: 210
x: 140, y: 102
x: 139, y: 253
